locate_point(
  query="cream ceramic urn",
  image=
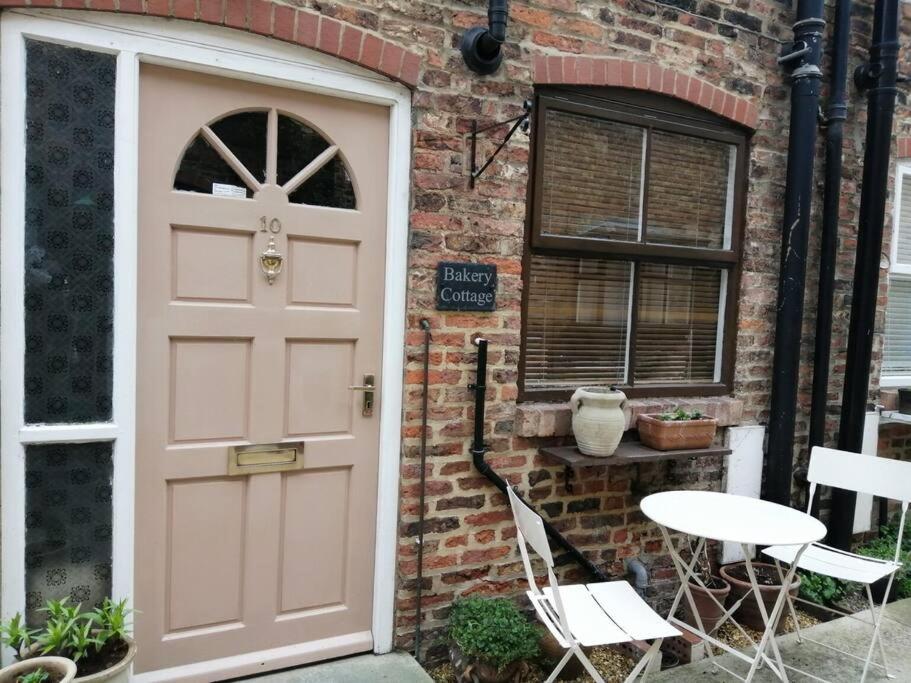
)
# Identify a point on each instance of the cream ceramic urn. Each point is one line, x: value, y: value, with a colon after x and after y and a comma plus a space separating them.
x: 598, y: 420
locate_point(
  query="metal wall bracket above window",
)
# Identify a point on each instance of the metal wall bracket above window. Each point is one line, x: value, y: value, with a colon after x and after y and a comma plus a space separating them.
x: 522, y: 121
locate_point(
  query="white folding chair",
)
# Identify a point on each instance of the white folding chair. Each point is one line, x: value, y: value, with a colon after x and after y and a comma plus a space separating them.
x: 863, y: 474
x: 586, y: 615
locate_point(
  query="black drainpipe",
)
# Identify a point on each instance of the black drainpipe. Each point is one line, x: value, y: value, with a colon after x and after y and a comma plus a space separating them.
x: 482, y: 48
x: 836, y: 113
x: 802, y: 58
x: 878, y: 77
x: 478, y: 449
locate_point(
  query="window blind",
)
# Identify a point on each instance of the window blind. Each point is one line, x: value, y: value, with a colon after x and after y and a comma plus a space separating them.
x: 577, y: 320
x: 592, y: 177
x: 690, y: 190
x: 677, y: 324
x: 903, y: 250
x: 897, y: 348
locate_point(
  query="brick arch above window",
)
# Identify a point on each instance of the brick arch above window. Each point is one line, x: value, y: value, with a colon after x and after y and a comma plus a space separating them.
x: 271, y: 19
x: 573, y: 70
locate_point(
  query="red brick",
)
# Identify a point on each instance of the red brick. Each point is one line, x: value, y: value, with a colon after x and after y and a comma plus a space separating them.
x: 487, y: 518
x: 283, y: 22
x: 614, y: 72
x: 411, y: 67
x: 307, y: 28
x: 351, y: 43
x: 157, y: 8
x: 569, y: 70
x: 185, y: 9
x: 554, y: 69
x: 540, y: 69
x: 330, y: 32
x: 211, y: 11
x: 391, y: 63
x: 640, y: 75
x: 486, y: 555
x: 103, y: 5
x: 371, y: 51
x: 236, y: 13
x: 131, y: 6
x: 261, y: 17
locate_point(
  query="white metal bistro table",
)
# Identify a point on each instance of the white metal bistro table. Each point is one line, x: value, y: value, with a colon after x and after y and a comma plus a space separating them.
x: 736, y: 519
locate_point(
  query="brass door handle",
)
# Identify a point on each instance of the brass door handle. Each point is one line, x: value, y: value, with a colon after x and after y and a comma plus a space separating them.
x: 368, y: 387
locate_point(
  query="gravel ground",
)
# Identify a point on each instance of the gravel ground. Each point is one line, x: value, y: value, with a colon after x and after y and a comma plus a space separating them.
x: 612, y: 665
x: 615, y: 667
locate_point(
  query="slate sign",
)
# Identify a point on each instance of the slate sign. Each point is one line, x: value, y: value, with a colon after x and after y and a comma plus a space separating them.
x: 466, y: 287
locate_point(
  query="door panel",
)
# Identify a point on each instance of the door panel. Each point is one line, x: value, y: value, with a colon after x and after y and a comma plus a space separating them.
x: 233, y: 564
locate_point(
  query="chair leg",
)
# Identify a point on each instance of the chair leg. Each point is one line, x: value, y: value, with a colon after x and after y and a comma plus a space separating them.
x: 592, y: 671
x: 563, y: 662
x: 877, y: 640
x: 648, y: 659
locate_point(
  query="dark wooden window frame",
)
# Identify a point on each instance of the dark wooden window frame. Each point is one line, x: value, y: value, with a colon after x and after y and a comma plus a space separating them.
x: 653, y: 112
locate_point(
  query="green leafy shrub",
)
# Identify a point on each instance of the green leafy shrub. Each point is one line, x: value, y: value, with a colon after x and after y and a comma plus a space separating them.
x: 493, y: 630
x: 39, y: 675
x: 680, y: 415
x: 883, y: 548
x: 821, y: 589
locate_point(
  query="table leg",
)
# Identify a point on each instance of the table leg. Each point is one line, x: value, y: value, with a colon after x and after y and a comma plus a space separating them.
x: 771, y: 621
x: 684, y: 570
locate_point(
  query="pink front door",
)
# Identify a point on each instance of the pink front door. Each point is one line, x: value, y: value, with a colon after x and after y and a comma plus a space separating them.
x: 261, y: 251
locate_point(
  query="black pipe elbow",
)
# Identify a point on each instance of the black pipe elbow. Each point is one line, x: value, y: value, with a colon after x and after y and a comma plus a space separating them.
x: 482, y: 48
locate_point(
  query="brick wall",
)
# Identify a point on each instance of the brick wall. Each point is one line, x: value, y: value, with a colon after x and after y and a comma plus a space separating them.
x: 720, y: 54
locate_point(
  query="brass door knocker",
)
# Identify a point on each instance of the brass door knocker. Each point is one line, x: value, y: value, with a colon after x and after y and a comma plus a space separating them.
x: 271, y: 261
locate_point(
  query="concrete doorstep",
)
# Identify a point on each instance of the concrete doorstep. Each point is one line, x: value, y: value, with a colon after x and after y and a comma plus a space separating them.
x: 844, y: 633
x: 396, y: 667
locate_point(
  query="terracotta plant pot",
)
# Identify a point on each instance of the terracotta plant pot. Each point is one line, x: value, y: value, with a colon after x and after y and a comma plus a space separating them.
x: 709, y: 612
x: 676, y: 435
x: 748, y: 613
x: 598, y: 420
x: 61, y: 670
x: 474, y: 670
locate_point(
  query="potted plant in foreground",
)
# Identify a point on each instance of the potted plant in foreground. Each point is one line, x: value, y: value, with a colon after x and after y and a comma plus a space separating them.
x: 37, y: 669
x: 491, y: 640
x: 710, y: 611
x: 97, y: 641
x: 678, y: 430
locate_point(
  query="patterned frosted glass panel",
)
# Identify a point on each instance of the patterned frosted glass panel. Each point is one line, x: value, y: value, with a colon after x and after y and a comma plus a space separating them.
x: 576, y: 330
x: 69, y: 234
x: 677, y: 334
x: 67, y: 524
x: 897, y: 351
x: 690, y: 191
x: 592, y: 177
x: 904, y: 223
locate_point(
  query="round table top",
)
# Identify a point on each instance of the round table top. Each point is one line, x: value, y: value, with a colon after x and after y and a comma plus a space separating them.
x: 727, y: 517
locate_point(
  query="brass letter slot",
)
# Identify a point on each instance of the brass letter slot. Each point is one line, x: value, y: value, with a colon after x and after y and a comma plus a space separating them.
x: 270, y: 457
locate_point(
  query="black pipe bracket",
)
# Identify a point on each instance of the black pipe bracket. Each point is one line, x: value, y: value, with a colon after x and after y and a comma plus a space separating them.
x: 522, y: 121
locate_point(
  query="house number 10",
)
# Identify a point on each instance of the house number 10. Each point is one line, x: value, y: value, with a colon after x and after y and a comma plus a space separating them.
x: 274, y: 226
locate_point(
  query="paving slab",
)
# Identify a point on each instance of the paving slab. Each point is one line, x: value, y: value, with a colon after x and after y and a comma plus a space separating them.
x: 844, y: 633
x: 396, y: 667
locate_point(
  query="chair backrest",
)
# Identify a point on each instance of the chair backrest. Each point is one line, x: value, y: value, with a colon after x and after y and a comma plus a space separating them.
x: 531, y: 528
x: 861, y: 473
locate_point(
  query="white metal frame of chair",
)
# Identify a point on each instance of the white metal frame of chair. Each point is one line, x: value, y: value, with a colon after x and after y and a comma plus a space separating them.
x: 634, y: 620
x: 863, y: 474
x: 686, y: 574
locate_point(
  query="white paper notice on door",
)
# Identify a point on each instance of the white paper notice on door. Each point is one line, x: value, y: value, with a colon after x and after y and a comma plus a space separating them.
x: 223, y: 190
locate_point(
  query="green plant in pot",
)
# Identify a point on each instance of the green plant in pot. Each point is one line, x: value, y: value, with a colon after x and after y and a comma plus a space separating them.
x: 491, y: 641
x: 18, y: 636
x: 97, y: 642
x: 883, y: 548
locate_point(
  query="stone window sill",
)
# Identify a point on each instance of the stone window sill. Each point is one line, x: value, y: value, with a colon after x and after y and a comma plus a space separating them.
x: 555, y: 419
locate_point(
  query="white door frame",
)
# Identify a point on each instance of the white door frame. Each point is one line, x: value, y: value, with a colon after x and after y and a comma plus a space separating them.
x: 218, y: 51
